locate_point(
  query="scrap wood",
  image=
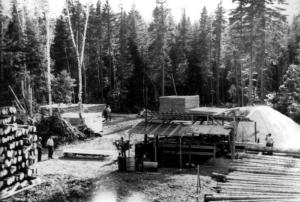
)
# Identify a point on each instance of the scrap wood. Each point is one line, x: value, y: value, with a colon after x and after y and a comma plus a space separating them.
x: 13, y: 191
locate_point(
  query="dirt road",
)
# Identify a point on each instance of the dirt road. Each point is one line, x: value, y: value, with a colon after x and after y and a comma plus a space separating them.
x: 98, y: 180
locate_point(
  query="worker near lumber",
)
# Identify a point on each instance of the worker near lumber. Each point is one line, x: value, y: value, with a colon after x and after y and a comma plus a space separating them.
x: 269, y: 140
x: 50, y: 145
x: 39, y: 149
x: 269, y: 143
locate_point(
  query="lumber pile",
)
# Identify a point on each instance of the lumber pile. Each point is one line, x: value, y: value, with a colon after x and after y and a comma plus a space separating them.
x: 178, y: 103
x: 18, y: 151
x: 66, y: 108
x: 261, y: 178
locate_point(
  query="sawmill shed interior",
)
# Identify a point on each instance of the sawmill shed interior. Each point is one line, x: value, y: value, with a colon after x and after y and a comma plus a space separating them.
x: 186, y: 139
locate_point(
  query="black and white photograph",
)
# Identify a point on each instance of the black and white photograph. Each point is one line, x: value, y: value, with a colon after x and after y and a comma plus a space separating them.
x: 149, y: 100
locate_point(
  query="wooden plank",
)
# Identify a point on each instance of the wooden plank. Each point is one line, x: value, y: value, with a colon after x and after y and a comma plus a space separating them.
x: 88, y: 152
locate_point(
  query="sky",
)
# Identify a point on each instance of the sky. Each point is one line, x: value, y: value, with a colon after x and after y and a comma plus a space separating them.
x: 193, y: 7
x: 145, y: 7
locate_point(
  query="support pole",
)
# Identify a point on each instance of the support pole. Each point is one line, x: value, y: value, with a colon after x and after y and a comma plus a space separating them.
x: 233, y: 138
x: 155, y: 148
x: 180, y: 152
x: 198, y: 180
x: 255, y: 132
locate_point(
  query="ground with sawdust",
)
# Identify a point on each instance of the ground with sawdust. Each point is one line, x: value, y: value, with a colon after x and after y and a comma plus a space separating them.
x: 99, y: 181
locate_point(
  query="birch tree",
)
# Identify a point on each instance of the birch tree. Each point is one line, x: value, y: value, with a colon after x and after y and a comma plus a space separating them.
x: 80, y: 57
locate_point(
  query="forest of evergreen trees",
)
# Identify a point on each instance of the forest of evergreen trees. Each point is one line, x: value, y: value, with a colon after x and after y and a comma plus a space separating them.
x: 237, y: 57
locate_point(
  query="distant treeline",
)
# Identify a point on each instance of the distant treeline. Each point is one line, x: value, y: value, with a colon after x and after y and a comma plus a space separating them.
x: 236, y: 57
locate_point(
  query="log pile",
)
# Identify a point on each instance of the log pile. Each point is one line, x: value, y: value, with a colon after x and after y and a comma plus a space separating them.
x: 18, y: 149
x: 261, y: 178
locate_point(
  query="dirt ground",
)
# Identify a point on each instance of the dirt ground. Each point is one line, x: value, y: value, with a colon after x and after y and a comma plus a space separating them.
x: 99, y: 181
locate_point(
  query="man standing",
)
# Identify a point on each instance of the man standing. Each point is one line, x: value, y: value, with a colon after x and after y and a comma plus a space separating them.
x: 104, y: 113
x: 108, y: 109
x: 122, y: 147
x: 50, y: 145
x: 269, y: 143
x: 39, y: 148
x: 269, y: 140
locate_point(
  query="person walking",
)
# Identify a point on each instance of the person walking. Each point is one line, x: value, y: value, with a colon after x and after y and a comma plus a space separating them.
x: 39, y: 148
x: 108, y: 110
x: 50, y: 145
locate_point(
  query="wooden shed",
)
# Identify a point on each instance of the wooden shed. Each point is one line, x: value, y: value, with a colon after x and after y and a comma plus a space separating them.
x: 182, y: 142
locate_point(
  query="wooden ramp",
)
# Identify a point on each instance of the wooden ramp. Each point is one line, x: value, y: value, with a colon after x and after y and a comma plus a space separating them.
x: 260, y: 178
x: 86, y: 153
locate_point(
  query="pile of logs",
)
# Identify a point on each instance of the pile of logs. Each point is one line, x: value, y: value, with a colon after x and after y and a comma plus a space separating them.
x: 18, y: 149
x: 261, y: 178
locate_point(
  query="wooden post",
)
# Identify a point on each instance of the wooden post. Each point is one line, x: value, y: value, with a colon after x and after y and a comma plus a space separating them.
x: 155, y: 148
x: 30, y: 102
x: 233, y: 138
x: 129, y: 134
x: 190, y: 155
x: 255, y: 132
x: 198, y: 180
x: 180, y: 151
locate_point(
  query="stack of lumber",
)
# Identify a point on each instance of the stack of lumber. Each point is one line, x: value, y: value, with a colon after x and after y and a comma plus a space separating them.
x: 261, y: 178
x: 178, y: 103
x: 67, y: 108
x: 18, y: 151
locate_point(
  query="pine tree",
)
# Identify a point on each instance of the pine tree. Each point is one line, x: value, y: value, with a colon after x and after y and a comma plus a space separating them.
x: 218, y: 26
x: 108, y: 22
x: 180, y: 48
x: 158, y: 53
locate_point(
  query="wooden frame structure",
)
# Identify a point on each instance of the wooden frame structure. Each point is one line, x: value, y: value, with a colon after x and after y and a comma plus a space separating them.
x: 169, y: 125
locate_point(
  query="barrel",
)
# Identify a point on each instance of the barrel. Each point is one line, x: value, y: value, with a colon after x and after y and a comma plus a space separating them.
x: 122, y: 163
x: 130, y: 164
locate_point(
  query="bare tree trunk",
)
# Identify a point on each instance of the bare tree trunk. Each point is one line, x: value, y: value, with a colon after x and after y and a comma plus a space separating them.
x: 262, y: 59
x: 79, y: 57
x: 1, y: 53
x: 174, y: 85
x: 48, y: 65
x: 250, y: 90
x: 69, y: 70
x: 84, y: 82
x: 238, y: 100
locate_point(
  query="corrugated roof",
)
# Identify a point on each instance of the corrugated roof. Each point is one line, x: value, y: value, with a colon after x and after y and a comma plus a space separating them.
x: 208, y: 130
x: 177, y: 129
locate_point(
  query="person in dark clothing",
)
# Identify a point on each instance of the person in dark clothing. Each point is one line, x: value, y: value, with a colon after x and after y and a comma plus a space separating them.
x: 105, y: 114
x: 122, y: 147
x: 39, y: 148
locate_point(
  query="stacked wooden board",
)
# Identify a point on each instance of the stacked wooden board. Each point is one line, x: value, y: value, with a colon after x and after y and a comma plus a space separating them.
x: 66, y: 108
x: 18, y: 151
x: 178, y: 103
x: 261, y: 178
